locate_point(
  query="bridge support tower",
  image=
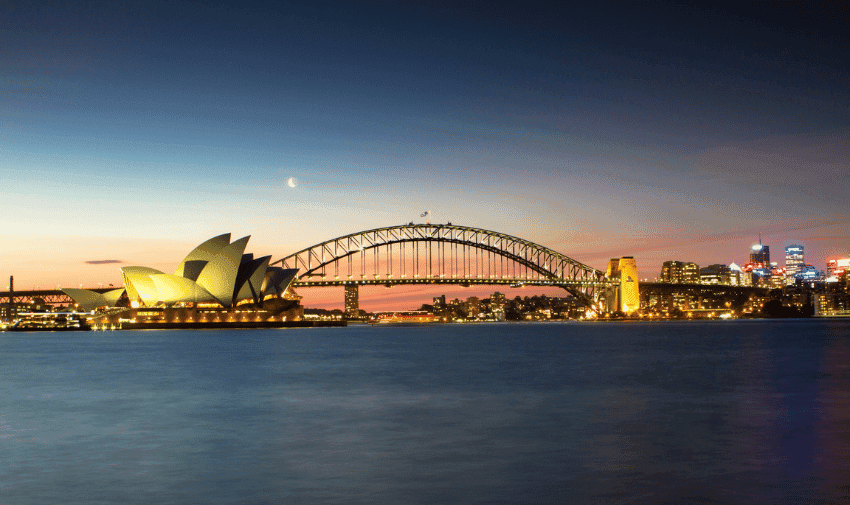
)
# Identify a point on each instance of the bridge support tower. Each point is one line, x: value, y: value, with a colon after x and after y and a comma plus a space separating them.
x: 625, y: 297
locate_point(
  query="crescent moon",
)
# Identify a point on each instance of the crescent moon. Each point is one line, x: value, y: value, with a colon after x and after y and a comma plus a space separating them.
x: 292, y: 182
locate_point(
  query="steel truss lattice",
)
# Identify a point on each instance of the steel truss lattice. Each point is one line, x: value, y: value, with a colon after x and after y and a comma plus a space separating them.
x: 452, y: 255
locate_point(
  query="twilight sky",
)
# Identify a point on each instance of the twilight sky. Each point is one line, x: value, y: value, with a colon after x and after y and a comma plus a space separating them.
x: 132, y: 131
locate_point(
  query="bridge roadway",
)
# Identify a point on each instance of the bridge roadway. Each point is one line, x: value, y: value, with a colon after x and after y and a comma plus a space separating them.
x: 307, y: 282
x: 57, y: 297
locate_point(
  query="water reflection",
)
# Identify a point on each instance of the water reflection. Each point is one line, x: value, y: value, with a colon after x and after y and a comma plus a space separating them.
x: 750, y: 412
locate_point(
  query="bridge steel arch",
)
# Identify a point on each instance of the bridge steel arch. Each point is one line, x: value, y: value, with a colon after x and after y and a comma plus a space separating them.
x: 551, y: 267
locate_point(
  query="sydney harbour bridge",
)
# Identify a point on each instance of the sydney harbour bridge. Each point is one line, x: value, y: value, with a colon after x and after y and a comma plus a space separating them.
x: 442, y: 254
x: 427, y: 254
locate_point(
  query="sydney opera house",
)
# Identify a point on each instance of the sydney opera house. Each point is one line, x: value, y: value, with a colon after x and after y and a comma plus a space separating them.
x: 216, y: 284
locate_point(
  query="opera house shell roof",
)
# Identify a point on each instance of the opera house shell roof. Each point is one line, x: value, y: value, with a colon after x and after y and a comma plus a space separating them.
x: 216, y: 271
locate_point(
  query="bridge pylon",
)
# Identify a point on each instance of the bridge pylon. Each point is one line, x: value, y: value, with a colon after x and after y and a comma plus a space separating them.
x: 624, y: 295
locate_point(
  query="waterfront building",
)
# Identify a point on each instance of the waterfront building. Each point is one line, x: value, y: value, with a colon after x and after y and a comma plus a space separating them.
x: 793, y: 262
x: 473, y: 307
x: 680, y: 272
x: 215, y: 282
x: 352, y: 300
x: 715, y: 274
x: 498, y: 301
x: 439, y: 303
x: 216, y: 272
x: 9, y: 311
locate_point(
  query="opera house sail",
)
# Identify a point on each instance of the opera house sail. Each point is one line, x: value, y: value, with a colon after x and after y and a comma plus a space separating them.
x: 210, y: 284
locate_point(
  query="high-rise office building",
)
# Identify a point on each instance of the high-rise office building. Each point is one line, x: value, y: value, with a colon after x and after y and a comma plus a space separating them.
x: 679, y: 272
x: 793, y: 262
x: 760, y: 253
x: 352, y: 300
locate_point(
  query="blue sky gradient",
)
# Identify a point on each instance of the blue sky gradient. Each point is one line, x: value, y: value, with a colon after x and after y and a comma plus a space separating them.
x: 599, y: 129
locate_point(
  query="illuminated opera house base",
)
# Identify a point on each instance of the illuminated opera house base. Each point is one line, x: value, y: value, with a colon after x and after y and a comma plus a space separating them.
x: 216, y: 286
x: 282, y: 314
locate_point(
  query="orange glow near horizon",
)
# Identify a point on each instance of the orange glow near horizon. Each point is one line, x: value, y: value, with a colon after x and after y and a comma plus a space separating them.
x: 379, y: 298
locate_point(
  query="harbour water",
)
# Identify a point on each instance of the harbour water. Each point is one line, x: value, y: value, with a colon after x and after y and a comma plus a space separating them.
x: 674, y: 412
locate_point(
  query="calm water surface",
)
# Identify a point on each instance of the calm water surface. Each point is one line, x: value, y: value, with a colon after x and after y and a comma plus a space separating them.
x: 726, y: 412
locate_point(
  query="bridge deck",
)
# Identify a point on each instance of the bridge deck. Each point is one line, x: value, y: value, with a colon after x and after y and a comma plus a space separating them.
x: 346, y: 281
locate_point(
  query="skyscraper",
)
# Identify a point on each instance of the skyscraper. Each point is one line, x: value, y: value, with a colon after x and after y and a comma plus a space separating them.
x: 760, y: 253
x: 793, y: 262
x: 352, y: 300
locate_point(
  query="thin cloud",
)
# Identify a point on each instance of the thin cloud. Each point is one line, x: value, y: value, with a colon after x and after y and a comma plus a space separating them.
x: 102, y: 262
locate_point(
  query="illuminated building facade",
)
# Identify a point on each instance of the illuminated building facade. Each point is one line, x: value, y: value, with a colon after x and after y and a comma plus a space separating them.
x: 739, y: 278
x: 759, y: 268
x: 716, y: 274
x: 498, y: 301
x: 217, y: 272
x: 680, y: 272
x: 776, y: 279
x: 835, y: 268
x: 439, y: 303
x: 808, y: 274
x: 793, y: 261
x: 352, y: 300
x: 627, y: 297
x: 760, y: 253
x: 216, y: 283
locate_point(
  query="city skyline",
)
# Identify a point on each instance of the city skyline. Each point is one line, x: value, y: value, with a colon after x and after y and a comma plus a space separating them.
x: 663, y: 132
